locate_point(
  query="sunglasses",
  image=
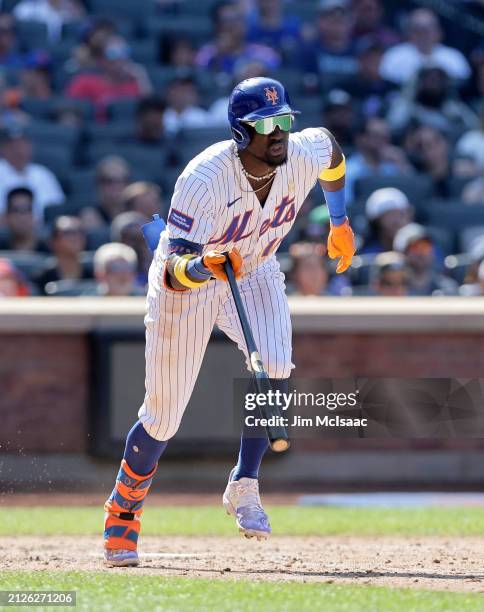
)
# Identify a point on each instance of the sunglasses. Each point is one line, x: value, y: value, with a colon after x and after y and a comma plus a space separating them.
x: 268, y: 125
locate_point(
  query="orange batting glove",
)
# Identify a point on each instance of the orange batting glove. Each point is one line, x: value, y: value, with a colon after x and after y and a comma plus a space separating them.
x: 214, y: 261
x: 341, y: 243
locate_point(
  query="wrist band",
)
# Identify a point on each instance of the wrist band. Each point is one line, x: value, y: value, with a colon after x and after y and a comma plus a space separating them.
x: 335, y: 201
x: 180, y: 272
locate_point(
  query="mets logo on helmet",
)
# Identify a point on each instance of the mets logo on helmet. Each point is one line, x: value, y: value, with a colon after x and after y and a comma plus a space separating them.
x: 271, y: 95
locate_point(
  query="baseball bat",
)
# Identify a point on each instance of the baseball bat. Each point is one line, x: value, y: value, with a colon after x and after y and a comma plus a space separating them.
x: 277, y: 434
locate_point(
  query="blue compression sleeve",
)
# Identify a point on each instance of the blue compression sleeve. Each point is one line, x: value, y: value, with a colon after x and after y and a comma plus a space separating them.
x: 142, y: 451
x: 335, y: 201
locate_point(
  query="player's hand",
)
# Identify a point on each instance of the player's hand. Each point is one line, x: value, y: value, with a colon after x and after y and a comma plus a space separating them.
x: 341, y: 243
x: 214, y: 261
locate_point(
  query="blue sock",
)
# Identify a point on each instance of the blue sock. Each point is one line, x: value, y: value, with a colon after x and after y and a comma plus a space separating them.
x: 142, y: 451
x: 253, y: 449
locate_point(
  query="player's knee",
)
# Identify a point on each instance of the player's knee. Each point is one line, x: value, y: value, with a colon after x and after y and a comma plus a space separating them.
x: 159, y: 424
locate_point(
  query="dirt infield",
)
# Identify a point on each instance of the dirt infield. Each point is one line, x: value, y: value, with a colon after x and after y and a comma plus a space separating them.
x: 453, y: 564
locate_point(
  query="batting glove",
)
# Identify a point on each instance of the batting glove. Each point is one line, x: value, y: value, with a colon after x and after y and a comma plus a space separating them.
x: 214, y: 261
x: 341, y: 243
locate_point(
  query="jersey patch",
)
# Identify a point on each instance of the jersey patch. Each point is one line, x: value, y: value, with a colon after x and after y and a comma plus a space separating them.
x: 180, y: 220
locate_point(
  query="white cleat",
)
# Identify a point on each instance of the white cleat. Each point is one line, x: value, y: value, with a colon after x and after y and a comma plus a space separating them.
x: 241, y: 499
x: 120, y: 558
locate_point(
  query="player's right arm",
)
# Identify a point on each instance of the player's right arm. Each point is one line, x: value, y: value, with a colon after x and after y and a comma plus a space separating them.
x: 190, y: 226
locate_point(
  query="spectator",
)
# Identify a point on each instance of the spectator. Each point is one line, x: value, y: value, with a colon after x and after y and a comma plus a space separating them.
x: 53, y: 13
x: 332, y: 54
x: 67, y: 242
x: 89, y: 55
x: 471, y: 144
x: 416, y: 245
x: 375, y: 155
x: 387, y: 211
x: 423, y: 47
x: 21, y: 228
x: 268, y: 25
x: 17, y: 169
x: 112, y: 176
x: 368, y: 23
x: 117, y: 77
x: 12, y: 283
x: 35, y: 77
x: 126, y: 228
x: 430, y: 152
x: 115, y: 270
x: 150, y: 127
x: 229, y: 46
x: 177, y: 51
x: 309, y: 273
x: 367, y: 86
x: 144, y: 198
x: 183, y: 110
x: 10, y: 57
x: 339, y: 117
x: 390, y: 275
x: 428, y: 99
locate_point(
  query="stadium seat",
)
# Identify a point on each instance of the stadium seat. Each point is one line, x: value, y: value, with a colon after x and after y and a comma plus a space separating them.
x: 28, y: 262
x: 198, y: 30
x: 97, y: 237
x: 50, y: 132
x: 417, y: 187
x: 128, y: 9
x: 71, y: 288
x: 9, y: 5
x: 46, y: 109
x: 454, y: 217
x: 72, y: 207
x: 82, y: 183
x: 204, y: 136
x: 57, y: 158
x: 145, y: 51
x: 72, y: 31
x: 32, y: 35
x: 146, y: 162
x: 102, y: 132
x: 122, y: 110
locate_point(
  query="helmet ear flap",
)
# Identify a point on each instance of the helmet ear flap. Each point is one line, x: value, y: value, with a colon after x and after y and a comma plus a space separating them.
x: 240, y: 135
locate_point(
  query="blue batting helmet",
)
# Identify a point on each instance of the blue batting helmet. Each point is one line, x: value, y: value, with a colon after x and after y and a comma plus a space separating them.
x: 254, y: 99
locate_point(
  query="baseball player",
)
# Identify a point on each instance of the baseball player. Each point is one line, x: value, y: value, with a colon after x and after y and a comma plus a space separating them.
x: 237, y: 199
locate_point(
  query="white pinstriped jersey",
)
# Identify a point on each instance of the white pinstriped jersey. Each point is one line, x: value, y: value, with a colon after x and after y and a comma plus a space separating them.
x: 214, y: 205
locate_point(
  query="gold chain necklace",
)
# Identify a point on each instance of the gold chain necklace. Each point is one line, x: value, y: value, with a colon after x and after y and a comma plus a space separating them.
x: 271, y: 177
x: 248, y: 175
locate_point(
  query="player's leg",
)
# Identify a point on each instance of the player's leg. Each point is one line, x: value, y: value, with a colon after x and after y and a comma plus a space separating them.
x: 178, y: 328
x: 263, y: 294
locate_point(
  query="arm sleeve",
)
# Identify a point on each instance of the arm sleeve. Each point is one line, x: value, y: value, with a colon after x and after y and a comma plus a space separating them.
x: 191, y: 215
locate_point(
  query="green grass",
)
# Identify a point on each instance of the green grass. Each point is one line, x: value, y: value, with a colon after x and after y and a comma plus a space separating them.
x: 104, y: 591
x: 286, y: 520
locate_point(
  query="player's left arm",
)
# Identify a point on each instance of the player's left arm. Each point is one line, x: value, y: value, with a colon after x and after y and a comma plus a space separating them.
x: 341, y: 240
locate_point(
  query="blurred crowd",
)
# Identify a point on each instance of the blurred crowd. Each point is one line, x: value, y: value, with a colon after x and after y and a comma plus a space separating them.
x: 103, y: 102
